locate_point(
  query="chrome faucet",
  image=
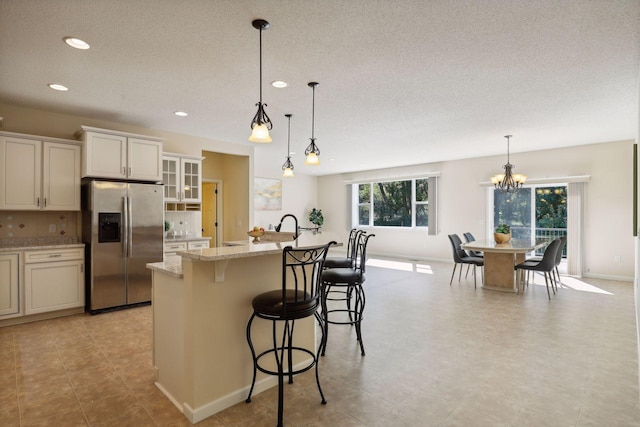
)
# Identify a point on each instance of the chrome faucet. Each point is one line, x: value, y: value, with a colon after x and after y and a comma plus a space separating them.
x: 295, y: 236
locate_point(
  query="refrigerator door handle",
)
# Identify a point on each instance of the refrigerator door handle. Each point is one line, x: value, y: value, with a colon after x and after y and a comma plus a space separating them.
x: 125, y: 231
x: 129, y: 228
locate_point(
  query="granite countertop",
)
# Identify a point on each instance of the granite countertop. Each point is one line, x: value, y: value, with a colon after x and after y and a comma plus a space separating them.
x: 170, y: 268
x: 39, y: 243
x: 261, y: 248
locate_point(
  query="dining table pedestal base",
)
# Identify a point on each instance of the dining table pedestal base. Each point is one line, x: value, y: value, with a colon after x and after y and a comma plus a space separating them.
x: 499, y: 274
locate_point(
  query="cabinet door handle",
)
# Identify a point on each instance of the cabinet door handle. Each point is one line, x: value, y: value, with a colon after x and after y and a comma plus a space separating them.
x: 45, y: 202
x: 55, y: 255
x: 38, y: 201
x: 124, y: 170
x: 129, y: 170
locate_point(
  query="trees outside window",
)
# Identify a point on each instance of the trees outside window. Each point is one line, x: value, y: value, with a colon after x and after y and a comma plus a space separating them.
x: 394, y: 203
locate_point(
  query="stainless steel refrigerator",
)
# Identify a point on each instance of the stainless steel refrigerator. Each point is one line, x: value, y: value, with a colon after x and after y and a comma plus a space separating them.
x: 123, y: 230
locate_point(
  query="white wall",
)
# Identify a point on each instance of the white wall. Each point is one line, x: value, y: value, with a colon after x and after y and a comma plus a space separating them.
x: 462, y: 203
x: 299, y: 196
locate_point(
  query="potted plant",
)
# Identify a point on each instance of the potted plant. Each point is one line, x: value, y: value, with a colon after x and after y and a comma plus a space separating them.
x: 316, y: 218
x: 502, y: 233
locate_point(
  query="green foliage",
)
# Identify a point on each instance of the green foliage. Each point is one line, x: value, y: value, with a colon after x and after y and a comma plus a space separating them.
x: 392, y: 204
x: 315, y: 217
x: 551, y: 207
x: 503, y: 229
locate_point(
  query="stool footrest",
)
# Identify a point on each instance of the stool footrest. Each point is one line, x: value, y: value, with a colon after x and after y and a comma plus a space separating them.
x: 311, y: 364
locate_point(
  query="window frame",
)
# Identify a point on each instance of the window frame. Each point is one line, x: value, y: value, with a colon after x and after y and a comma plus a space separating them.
x: 370, y: 204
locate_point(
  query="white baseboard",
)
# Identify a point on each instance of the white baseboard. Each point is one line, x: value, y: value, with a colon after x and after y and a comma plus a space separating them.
x: 608, y: 277
x: 211, y: 408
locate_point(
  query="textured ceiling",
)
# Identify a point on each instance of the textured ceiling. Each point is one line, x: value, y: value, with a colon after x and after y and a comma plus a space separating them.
x: 401, y: 82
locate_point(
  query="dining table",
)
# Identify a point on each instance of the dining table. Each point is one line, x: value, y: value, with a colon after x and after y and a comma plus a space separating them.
x: 500, y: 260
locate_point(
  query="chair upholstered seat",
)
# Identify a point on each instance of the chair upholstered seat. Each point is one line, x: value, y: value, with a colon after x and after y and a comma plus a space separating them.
x: 338, y: 262
x: 476, y: 260
x: 298, y: 304
x: 342, y: 275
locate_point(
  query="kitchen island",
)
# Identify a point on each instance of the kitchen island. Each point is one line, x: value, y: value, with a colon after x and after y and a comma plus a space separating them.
x: 200, y: 312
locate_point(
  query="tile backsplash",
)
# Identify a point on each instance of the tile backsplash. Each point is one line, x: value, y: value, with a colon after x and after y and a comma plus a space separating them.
x: 20, y: 224
x: 185, y: 222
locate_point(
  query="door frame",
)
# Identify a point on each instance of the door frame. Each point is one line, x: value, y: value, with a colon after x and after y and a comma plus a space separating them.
x: 219, y: 208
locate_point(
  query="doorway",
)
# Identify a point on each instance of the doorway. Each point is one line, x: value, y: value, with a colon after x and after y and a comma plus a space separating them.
x: 211, y: 211
x: 533, y: 212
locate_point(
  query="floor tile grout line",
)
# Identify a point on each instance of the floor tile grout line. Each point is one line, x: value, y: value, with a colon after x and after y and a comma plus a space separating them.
x: 66, y: 371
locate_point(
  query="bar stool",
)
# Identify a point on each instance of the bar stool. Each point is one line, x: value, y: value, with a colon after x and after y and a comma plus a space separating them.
x: 300, y: 297
x: 348, y: 281
x: 347, y: 261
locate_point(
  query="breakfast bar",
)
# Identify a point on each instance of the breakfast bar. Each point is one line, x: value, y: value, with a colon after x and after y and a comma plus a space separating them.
x: 200, y: 311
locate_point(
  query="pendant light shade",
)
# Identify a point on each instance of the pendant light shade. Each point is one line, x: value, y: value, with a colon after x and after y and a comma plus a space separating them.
x: 508, y: 182
x: 261, y: 124
x: 312, y: 151
x: 287, y: 167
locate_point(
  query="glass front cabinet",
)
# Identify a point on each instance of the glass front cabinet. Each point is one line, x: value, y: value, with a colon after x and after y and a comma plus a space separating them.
x: 182, y: 178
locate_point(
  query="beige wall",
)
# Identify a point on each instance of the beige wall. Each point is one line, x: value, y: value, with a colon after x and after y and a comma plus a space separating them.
x: 463, y: 206
x: 234, y: 172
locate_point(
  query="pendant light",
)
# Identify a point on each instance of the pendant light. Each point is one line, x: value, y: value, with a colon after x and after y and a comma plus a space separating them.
x: 287, y: 167
x: 508, y: 182
x: 312, y: 152
x: 261, y: 124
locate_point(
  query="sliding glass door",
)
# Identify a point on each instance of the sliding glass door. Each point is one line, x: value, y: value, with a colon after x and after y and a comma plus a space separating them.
x: 535, y: 211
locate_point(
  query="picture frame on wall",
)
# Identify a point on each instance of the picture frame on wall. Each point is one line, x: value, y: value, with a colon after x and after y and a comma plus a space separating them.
x: 267, y: 194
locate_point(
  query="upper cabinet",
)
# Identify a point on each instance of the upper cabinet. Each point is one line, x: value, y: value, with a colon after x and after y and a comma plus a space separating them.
x: 39, y: 173
x: 182, y: 178
x: 120, y: 155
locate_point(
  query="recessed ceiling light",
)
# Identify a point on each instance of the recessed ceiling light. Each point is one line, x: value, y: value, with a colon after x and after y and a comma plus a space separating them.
x: 279, y: 84
x: 76, y: 43
x: 292, y: 153
x: 181, y: 114
x: 56, y: 86
x: 331, y: 159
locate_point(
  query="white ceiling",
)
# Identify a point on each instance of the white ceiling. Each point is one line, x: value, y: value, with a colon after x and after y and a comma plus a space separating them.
x: 401, y: 82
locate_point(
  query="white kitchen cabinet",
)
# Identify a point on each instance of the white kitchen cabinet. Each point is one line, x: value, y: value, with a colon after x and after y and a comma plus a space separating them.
x: 120, y: 155
x: 61, y: 177
x: 170, y: 250
x: 199, y: 244
x: 53, y: 280
x: 182, y: 178
x: 39, y: 173
x: 9, y: 286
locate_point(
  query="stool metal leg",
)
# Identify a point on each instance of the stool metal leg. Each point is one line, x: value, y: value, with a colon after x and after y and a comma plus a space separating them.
x: 359, y: 309
x: 253, y: 357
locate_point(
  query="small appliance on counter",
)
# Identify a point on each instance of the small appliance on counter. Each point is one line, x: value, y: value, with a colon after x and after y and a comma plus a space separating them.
x: 123, y: 230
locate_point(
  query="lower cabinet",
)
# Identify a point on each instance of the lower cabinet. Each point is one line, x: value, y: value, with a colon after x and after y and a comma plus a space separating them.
x: 9, y: 286
x: 171, y: 249
x: 53, y: 280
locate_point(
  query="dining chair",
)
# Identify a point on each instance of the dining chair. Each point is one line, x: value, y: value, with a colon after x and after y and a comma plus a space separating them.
x: 461, y: 257
x: 468, y: 237
x: 545, y: 265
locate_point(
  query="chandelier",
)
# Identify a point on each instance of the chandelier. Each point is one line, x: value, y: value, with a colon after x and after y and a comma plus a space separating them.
x: 508, y: 182
x: 287, y: 167
x: 312, y: 151
x: 261, y: 124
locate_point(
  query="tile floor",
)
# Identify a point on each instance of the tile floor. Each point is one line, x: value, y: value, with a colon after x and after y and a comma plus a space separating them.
x: 436, y: 356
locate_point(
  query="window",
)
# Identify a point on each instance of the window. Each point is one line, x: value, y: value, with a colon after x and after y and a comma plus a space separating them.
x: 402, y: 203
